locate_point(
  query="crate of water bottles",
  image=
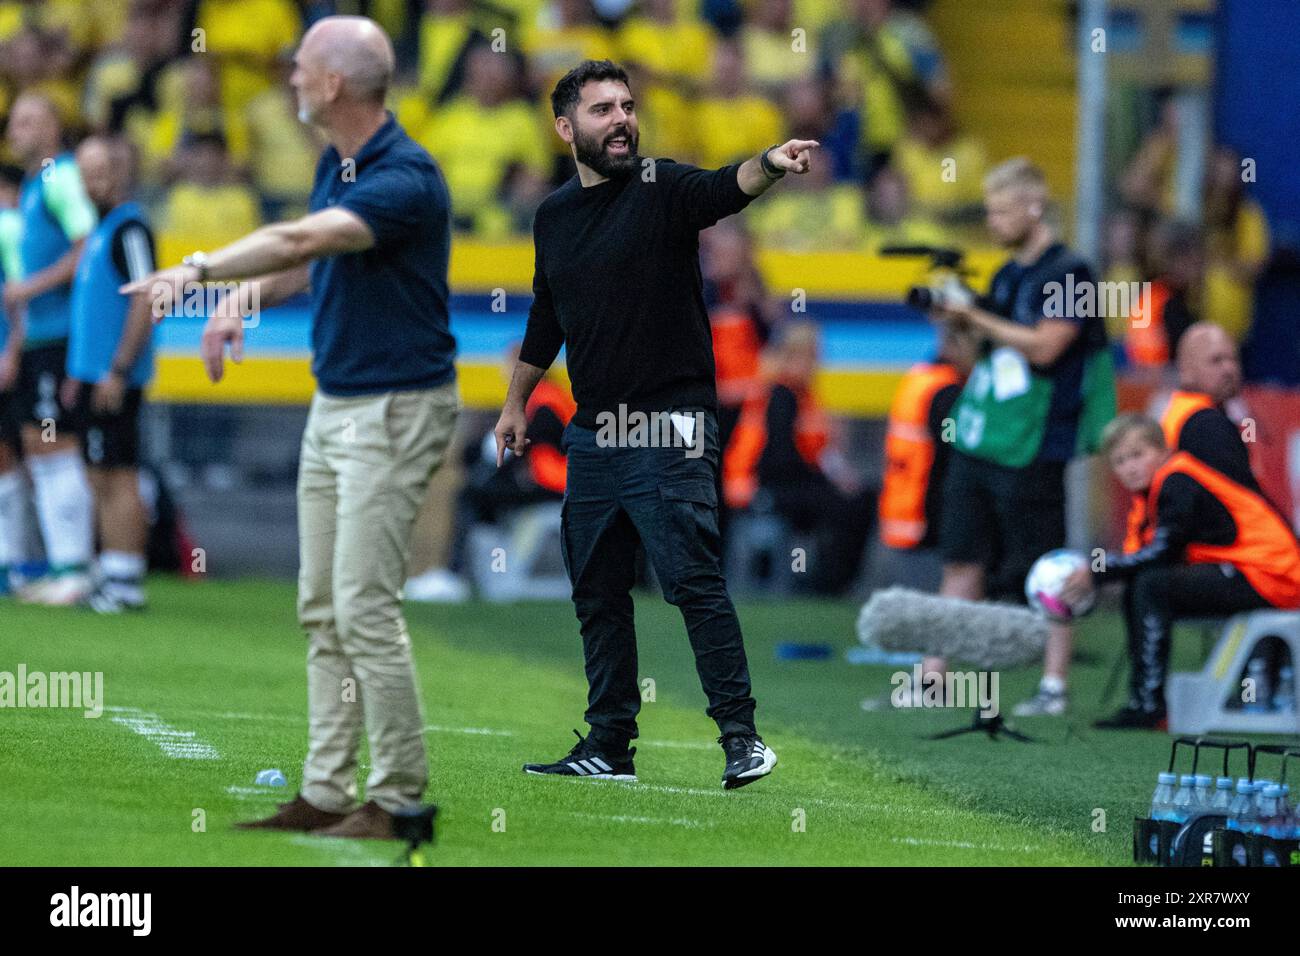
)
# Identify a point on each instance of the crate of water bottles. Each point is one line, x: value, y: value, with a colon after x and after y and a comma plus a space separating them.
x: 1201, y: 820
x: 1263, y: 825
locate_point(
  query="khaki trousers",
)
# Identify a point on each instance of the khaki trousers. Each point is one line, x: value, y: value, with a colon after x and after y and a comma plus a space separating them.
x: 365, y: 469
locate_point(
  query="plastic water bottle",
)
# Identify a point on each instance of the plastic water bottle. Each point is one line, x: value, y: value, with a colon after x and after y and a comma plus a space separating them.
x: 1184, y: 799
x: 1221, y: 799
x: 1243, y: 804
x: 1257, y: 672
x: 1204, y: 791
x: 1284, y: 696
x: 1272, y: 817
x: 1162, y: 801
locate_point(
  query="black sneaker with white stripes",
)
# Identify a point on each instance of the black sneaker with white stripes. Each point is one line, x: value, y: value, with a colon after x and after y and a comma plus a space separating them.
x: 748, y: 758
x: 587, y: 760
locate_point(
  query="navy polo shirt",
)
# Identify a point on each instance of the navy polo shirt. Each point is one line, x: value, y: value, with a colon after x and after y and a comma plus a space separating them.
x: 379, y: 317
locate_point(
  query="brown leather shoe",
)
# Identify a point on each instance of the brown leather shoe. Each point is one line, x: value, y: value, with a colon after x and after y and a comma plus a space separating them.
x: 297, y: 814
x: 369, y: 822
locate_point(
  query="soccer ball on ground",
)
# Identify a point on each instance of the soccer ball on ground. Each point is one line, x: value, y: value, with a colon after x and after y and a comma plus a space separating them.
x: 1045, y: 580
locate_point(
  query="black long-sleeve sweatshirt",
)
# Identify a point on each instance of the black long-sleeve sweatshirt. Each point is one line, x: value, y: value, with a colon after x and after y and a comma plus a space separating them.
x: 1186, y: 513
x: 617, y: 282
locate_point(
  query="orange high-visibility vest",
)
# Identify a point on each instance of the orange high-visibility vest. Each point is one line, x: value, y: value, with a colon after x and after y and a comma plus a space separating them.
x: 1266, y: 551
x: 909, y: 454
x: 736, y: 353
x: 1147, y: 342
x: 547, y: 465
x: 1182, y: 406
x: 749, y: 438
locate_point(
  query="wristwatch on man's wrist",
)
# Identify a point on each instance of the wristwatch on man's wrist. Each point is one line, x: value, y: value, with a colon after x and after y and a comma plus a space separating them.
x: 770, y: 169
x: 199, y: 260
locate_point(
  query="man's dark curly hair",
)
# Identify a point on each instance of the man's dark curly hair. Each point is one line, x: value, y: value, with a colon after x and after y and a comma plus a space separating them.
x: 568, y: 91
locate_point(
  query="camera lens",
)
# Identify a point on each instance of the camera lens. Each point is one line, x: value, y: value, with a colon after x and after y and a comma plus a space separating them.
x: 920, y: 297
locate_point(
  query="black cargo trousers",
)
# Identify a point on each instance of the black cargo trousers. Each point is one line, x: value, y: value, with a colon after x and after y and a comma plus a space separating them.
x: 623, y: 490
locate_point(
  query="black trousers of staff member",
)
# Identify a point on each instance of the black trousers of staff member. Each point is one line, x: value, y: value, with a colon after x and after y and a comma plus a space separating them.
x: 1158, y: 596
x: 665, y: 498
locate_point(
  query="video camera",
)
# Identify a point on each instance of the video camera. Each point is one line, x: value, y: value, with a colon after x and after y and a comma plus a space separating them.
x: 946, y: 287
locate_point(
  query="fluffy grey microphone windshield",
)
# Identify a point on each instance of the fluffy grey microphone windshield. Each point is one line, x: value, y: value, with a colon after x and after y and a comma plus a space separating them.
x: 981, y: 633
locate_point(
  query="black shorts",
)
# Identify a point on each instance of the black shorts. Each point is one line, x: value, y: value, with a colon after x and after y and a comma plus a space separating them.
x: 1001, y: 518
x: 41, y: 374
x: 109, y: 441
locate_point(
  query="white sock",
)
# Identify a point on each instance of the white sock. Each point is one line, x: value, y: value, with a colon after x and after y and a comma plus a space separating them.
x: 1053, y: 685
x: 13, y: 519
x: 65, y: 507
x: 123, y: 573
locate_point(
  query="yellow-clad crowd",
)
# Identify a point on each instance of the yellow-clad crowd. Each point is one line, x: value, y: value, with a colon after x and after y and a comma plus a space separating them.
x: 201, y: 87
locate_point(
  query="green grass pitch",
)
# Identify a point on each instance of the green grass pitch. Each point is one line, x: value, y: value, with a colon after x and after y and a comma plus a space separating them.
x: 208, y: 687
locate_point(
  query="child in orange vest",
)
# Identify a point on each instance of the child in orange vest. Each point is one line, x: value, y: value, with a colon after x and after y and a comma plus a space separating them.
x: 1204, y: 545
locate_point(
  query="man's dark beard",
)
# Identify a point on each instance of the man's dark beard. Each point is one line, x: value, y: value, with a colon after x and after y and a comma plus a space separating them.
x: 591, y: 152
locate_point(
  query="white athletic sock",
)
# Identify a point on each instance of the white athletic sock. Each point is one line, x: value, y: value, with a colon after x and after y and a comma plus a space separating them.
x: 13, y: 519
x: 65, y: 507
x: 1053, y: 685
x: 123, y: 575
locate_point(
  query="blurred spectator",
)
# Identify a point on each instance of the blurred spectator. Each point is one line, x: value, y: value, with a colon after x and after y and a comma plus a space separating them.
x: 889, y: 63
x: 741, y: 316
x: 1237, y: 245
x: 770, y: 49
x: 810, y: 113
x: 490, y: 493
x: 1169, y: 305
x: 1148, y: 182
x: 565, y: 33
x: 1123, y: 261
x: 190, y: 105
x: 491, y: 148
x: 671, y: 53
x: 123, y: 75
x: 783, y: 453
x: 917, y: 448
x: 732, y: 123
x: 42, y: 62
x: 282, y: 152
x: 447, y: 30
x: 890, y: 220
x: 943, y: 167
x: 246, y: 37
x: 207, y: 207
x: 810, y: 212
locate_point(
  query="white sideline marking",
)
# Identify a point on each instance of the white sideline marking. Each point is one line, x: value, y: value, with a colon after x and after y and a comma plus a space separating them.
x: 179, y: 744
x: 678, y: 744
x: 477, y: 731
x: 962, y: 845
x: 253, y: 793
x: 625, y: 818
x: 350, y: 850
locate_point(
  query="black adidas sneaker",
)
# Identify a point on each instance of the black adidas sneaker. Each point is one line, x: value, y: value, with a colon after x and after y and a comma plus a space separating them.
x: 748, y: 758
x: 586, y: 760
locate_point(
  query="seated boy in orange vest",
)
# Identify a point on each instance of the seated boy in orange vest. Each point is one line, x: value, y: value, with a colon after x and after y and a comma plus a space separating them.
x: 1204, y: 545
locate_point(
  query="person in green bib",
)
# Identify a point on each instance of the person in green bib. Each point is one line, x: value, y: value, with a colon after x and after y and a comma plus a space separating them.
x: 1039, y: 395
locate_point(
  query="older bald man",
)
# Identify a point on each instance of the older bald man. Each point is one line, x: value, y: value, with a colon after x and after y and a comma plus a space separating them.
x: 1194, y: 419
x: 374, y: 253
